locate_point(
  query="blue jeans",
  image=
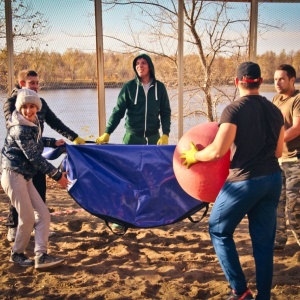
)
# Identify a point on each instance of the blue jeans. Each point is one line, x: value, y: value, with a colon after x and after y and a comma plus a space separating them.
x: 258, y: 198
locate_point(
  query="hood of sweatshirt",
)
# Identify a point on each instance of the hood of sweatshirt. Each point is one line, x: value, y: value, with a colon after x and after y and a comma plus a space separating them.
x: 150, y: 63
x: 152, y: 74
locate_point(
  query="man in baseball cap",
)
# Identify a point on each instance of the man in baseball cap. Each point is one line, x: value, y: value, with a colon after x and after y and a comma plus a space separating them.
x: 252, y: 128
x: 249, y: 72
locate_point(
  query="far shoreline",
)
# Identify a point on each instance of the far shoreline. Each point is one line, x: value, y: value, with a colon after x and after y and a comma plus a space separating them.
x: 93, y: 85
x: 268, y: 87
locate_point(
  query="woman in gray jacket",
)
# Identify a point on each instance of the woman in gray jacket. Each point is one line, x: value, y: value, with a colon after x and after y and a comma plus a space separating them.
x: 21, y: 159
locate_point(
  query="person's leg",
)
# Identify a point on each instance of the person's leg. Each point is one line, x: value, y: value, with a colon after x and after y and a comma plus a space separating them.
x: 234, y: 201
x: 153, y: 139
x: 39, y: 181
x: 42, y: 220
x: 292, y: 173
x: 42, y: 260
x: 262, y: 228
x: 12, y: 223
x: 12, y: 217
x: 15, y: 186
x: 227, y: 212
x: 281, y: 235
x: 131, y: 139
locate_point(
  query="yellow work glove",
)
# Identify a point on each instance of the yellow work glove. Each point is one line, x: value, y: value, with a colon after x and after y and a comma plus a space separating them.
x: 79, y: 141
x: 103, y: 139
x: 164, y: 140
x: 189, y: 156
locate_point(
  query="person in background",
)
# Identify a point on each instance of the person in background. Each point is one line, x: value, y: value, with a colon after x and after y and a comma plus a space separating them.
x: 252, y: 128
x: 21, y: 158
x: 146, y: 104
x: 29, y: 79
x: 288, y: 101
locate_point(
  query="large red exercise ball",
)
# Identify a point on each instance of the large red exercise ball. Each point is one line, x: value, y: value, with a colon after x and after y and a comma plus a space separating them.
x: 203, y: 180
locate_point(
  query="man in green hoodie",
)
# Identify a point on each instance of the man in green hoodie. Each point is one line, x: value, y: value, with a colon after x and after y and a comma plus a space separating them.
x: 146, y: 104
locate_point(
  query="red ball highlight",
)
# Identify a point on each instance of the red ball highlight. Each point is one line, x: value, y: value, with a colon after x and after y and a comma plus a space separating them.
x: 203, y: 180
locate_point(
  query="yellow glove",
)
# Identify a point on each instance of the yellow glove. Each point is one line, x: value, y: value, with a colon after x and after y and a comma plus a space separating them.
x: 189, y: 156
x: 164, y: 140
x: 79, y: 141
x: 103, y: 139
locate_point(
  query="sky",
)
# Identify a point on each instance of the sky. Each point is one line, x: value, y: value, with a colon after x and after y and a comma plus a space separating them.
x: 72, y: 25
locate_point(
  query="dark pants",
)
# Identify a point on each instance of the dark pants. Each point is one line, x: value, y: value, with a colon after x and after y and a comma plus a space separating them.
x: 258, y: 198
x: 132, y: 139
x: 39, y: 181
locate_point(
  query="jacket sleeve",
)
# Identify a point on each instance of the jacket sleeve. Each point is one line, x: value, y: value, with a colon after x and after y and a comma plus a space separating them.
x: 56, y: 124
x: 165, y: 110
x: 9, y: 107
x: 49, y: 142
x: 31, y: 150
x: 118, y: 112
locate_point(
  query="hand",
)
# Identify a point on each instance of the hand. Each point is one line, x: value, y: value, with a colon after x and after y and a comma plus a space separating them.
x: 59, y: 142
x: 189, y: 156
x: 164, y: 140
x: 103, y: 139
x: 79, y: 141
x: 64, y: 181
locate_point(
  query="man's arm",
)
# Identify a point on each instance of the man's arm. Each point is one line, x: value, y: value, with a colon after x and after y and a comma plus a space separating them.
x: 221, y: 144
x: 217, y: 149
x: 165, y: 111
x: 293, y: 131
x: 56, y: 124
x: 279, y: 148
x: 9, y: 107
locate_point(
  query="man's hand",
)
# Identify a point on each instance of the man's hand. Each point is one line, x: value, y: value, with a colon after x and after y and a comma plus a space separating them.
x: 64, y: 181
x: 164, y: 140
x: 189, y: 156
x: 103, y: 139
x: 79, y: 141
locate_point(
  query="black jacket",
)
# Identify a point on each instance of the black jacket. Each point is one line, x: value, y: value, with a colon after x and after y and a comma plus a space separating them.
x: 44, y: 115
x: 23, y: 148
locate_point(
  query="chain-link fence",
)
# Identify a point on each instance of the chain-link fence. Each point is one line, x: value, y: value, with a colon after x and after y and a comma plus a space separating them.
x: 57, y: 39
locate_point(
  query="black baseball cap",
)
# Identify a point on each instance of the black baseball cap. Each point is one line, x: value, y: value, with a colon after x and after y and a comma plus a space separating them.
x: 248, y: 72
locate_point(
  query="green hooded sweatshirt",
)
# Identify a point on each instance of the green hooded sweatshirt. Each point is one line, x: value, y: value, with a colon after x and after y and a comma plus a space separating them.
x: 144, y: 112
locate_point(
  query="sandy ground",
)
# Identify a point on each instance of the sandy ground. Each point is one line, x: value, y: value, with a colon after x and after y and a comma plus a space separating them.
x: 171, y: 262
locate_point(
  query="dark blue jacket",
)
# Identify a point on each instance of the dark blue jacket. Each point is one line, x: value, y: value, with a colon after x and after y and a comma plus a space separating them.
x: 44, y: 115
x: 23, y: 148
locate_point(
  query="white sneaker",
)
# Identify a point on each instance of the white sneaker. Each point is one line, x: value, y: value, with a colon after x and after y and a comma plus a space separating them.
x: 45, y: 261
x: 11, y: 234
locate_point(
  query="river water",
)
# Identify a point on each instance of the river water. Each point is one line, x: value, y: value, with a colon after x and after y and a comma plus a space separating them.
x: 77, y: 108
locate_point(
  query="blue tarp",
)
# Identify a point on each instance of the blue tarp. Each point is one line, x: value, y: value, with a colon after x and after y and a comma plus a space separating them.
x: 132, y: 185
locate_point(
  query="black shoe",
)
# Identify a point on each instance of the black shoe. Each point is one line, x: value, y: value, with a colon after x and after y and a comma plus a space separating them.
x: 278, y: 246
x: 45, y: 261
x: 21, y: 259
x: 245, y: 296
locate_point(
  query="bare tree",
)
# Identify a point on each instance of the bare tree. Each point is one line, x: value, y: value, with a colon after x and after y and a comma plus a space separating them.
x: 28, y: 24
x: 213, y: 31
